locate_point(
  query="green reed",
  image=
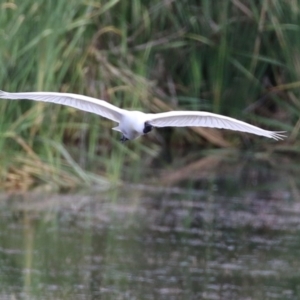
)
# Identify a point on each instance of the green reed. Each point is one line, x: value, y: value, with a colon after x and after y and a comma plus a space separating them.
x: 239, y: 58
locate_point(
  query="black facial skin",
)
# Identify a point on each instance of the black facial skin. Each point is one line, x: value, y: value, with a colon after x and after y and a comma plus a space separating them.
x: 147, y: 127
x: 123, y: 139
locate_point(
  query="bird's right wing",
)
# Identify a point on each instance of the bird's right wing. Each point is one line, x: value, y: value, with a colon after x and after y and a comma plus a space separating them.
x: 85, y: 103
x: 206, y: 119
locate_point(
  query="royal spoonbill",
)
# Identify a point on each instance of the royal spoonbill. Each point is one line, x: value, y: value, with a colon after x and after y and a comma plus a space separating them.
x: 133, y: 124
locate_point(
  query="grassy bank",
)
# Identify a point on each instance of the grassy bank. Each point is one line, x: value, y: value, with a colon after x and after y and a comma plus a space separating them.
x: 239, y: 58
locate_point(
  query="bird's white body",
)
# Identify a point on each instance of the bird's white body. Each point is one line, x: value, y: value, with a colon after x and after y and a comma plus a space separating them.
x: 133, y: 124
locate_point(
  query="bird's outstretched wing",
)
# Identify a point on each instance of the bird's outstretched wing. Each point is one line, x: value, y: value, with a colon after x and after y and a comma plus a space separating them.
x: 81, y: 102
x: 206, y: 119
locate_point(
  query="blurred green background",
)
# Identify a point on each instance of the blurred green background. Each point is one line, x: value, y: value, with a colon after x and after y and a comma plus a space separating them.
x: 203, y: 213
x: 238, y: 58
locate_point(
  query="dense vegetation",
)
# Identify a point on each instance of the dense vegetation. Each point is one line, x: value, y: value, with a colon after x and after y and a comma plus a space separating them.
x: 236, y: 57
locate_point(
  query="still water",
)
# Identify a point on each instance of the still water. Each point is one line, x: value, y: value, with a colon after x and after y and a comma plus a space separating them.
x: 231, y: 238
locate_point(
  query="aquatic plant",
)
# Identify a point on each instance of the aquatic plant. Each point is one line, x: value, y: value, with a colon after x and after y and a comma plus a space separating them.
x: 222, y: 56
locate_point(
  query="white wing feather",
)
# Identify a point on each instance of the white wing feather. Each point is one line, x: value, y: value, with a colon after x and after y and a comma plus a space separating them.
x: 206, y: 119
x: 93, y: 105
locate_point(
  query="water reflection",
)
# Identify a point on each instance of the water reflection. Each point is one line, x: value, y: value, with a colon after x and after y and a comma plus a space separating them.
x: 145, y: 243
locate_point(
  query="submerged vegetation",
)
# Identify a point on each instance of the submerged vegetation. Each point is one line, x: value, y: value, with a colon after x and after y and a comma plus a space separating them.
x: 235, y: 57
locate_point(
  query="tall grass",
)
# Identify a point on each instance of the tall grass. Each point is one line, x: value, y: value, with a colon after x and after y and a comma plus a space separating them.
x: 223, y: 56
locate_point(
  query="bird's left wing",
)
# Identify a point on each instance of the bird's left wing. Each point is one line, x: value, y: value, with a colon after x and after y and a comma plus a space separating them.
x: 81, y: 102
x: 206, y: 119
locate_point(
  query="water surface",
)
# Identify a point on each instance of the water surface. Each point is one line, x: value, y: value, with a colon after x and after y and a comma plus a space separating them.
x: 232, y: 237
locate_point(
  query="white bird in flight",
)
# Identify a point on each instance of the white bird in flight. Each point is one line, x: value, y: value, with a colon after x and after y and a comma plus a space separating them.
x: 133, y: 124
